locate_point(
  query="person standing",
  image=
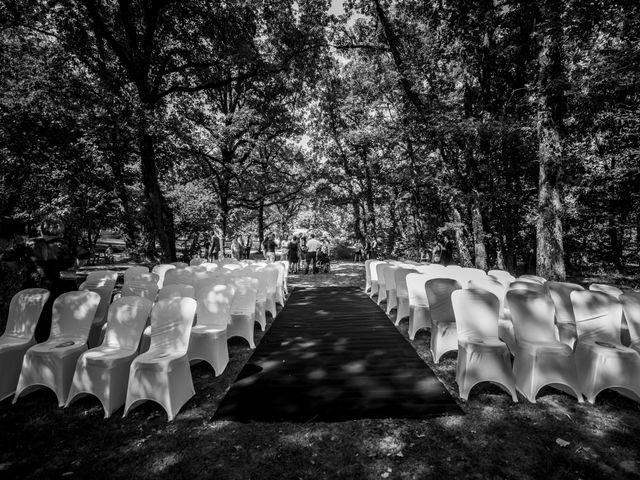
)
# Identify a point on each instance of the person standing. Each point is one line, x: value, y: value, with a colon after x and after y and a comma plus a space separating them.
x: 436, y: 255
x: 214, y: 250
x: 247, y: 247
x: 302, y: 252
x: 313, y: 247
x: 235, y: 248
x: 357, y: 251
x: 284, y: 249
x: 271, y: 248
x: 240, y: 248
x: 373, y: 250
x: 447, y: 251
x: 294, y: 255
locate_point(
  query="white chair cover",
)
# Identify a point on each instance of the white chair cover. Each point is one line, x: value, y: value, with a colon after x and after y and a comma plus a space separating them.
x: 179, y: 264
x: 604, y: 288
x: 140, y: 288
x: 178, y: 276
x: 165, y: 293
x: 604, y: 362
x: 271, y: 273
x: 133, y: 272
x: 382, y: 287
x: 232, y: 266
x: 471, y: 274
x: 560, y: 293
x: 540, y: 358
x: 161, y: 270
x: 431, y: 269
x: 261, y: 298
x: 163, y: 374
x: 402, y: 292
x: 176, y: 291
x: 24, y: 311
x: 228, y: 261
x: 195, y: 269
x: 243, y: 309
x: 374, y: 277
x: 504, y: 277
x: 505, y: 325
x: 198, y: 276
x: 51, y: 363
x: 419, y: 316
x: 209, y: 266
x: 367, y: 275
x: 443, y: 321
x: 482, y: 356
x: 390, y: 285
x: 287, y: 265
x: 145, y: 277
x: 532, y: 278
x: 209, y: 336
x: 103, y: 283
x: 528, y: 286
x: 631, y: 308
x: 280, y: 295
x: 104, y: 371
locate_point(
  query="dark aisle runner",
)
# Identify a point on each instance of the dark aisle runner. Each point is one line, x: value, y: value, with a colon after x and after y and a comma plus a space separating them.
x: 333, y: 355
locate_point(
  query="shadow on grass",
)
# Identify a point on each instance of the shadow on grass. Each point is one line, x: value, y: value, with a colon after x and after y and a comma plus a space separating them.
x: 496, y: 439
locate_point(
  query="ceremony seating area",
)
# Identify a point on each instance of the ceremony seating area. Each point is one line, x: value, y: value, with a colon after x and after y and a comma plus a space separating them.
x: 138, y: 344
x: 521, y: 333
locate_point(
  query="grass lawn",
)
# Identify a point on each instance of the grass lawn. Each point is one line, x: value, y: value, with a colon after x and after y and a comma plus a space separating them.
x: 554, y: 438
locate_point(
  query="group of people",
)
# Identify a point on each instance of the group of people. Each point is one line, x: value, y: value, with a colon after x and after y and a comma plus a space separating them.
x: 365, y: 250
x: 308, y: 251
x: 239, y: 248
x: 442, y: 251
x: 301, y: 252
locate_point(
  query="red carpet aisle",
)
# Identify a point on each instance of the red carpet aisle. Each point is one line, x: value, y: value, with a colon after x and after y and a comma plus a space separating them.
x: 333, y: 355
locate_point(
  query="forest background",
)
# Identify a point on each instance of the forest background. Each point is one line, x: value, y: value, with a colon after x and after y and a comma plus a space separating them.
x: 512, y: 126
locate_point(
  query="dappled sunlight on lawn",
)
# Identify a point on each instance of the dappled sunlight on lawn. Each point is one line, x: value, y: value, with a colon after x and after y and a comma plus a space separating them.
x: 495, y: 439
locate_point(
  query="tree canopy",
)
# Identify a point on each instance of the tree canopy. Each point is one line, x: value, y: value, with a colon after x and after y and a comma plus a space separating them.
x: 512, y: 127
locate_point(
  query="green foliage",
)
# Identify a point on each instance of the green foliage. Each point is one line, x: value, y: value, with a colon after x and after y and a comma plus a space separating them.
x: 412, y: 119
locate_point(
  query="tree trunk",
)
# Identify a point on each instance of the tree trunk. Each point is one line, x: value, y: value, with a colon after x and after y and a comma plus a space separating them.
x: 404, y: 70
x: 224, y: 225
x: 260, y: 225
x: 371, y: 212
x: 478, y: 234
x: 357, y: 218
x: 500, y: 264
x: 550, y: 249
x: 393, y: 230
x: 160, y: 212
x: 463, y: 251
x: 117, y: 168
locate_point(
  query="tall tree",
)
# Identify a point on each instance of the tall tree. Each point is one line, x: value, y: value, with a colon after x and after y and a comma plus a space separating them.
x: 551, y: 113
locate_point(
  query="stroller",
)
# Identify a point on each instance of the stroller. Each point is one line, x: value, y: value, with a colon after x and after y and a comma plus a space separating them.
x: 323, y: 263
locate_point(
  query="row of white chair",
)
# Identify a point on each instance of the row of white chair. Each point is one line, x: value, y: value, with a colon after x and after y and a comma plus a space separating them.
x: 49, y: 364
x: 599, y: 361
x: 138, y: 281
x: 435, y: 305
